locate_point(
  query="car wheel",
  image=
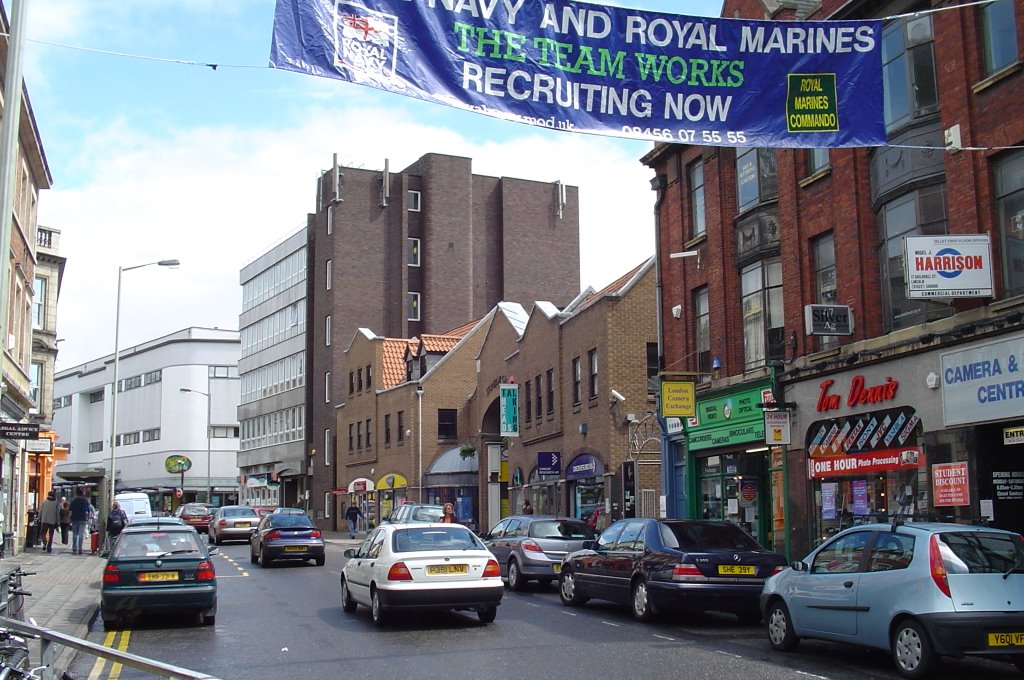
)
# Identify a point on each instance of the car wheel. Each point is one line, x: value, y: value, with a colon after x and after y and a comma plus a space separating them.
x: 347, y: 603
x: 487, y: 614
x: 320, y: 561
x: 567, y: 589
x: 377, y: 612
x: 912, y: 650
x: 643, y: 608
x: 264, y: 560
x: 515, y: 577
x: 781, y: 636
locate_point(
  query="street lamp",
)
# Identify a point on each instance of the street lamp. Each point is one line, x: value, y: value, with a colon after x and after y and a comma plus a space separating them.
x: 117, y: 353
x: 209, y: 406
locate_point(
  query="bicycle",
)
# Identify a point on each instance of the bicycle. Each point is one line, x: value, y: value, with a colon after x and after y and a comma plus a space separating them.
x: 14, y: 657
x: 16, y: 595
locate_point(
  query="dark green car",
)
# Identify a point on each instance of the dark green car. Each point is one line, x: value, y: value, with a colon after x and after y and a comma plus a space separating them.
x: 158, y: 569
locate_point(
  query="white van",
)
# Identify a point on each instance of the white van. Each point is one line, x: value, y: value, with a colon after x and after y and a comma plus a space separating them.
x: 134, y: 505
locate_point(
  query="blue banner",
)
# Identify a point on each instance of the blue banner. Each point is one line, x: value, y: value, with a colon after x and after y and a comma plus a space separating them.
x: 603, y: 70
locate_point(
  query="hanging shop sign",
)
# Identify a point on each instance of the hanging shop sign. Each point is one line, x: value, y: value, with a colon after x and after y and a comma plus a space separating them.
x: 983, y: 383
x: 950, y: 484
x: 727, y: 420
x: 597, y: 69
x: 508, y: 406
x: 828, y: 319
x: 678, y: 398
x: 777, y: 429
x: 948, y: 266
x: 177, y: 464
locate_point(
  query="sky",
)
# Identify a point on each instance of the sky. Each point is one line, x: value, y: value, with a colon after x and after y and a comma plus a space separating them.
x: 156, y: 159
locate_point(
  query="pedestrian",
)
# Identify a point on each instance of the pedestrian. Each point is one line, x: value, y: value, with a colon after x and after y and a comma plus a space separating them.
x: 80, y: 507
x: 117, y: 520
x: 527, y: 508
x: 352, y: 514
x: 65, y: 520
x: 49, y: 518
x: 449, y: 514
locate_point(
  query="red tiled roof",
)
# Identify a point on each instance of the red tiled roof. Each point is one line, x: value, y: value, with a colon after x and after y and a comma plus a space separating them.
x: 439, y: 344
x: 613, y: 288
x: 393, y: 370
x: 461, y: 331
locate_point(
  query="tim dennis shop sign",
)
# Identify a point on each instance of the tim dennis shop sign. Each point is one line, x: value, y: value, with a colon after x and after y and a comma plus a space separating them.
x: 984, y: 382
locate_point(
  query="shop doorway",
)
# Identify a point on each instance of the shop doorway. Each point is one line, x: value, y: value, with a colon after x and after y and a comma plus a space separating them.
x: 733, y: 488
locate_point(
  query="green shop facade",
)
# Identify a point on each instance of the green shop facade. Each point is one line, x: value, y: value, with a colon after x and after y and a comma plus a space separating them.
x: 722, y: 468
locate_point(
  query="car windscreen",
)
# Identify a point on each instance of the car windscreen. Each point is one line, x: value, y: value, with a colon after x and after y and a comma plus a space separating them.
x: 152, y: 543
x: 434, y: 538
x: 426, y: 514
x: 561, y: 528
x: 300, y: 521
x: 238, y: 512
x: 706, y: 536
x: 980, y: 552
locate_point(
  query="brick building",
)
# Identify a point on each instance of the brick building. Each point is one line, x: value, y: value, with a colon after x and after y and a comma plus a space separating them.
x: 879, y: 413
x: 419, y: 252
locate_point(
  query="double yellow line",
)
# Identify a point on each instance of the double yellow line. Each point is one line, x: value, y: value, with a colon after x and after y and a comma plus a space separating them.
x: 111, y: 640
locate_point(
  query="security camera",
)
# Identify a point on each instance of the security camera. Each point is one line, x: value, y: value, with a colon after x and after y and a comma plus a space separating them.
x: 617, y: 397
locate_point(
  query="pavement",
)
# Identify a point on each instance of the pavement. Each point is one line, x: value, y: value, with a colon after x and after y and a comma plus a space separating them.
x: 66, y: 589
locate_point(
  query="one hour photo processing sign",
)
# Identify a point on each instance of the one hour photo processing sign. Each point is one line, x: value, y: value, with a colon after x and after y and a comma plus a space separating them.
x: 603, y: 70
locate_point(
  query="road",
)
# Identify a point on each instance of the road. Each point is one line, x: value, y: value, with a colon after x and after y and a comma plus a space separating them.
x: 287, y: 622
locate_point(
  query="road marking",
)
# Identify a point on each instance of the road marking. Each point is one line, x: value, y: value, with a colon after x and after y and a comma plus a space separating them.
x: 531, y: 604
x: 115, y: 668
x: 812, y: 675
x: 609, y: 623
x: 735, y: 656
x: 568, y: 613
x: 664, y: 637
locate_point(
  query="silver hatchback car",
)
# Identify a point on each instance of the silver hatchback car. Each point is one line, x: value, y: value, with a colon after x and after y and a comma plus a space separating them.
x: 531, y: 547
x: 919, y: 590
x: 232, y: 522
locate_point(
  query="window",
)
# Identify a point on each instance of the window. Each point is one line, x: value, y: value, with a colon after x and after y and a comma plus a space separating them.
x: 96, y: 396
x: 576, y: 379
x: 369, y: 432
x: 763, y: 332
x: 908, y: 71
x: 1009, y: 176
x: 842, y: 556
x: 702, y: 333
x: 329, y: 273
x: 824, y: 253
x: 328, y: 499
x: 128, y: 438
x: 152, y: 377
x: 328, y: 452
x: 226, y: 431
x: 921, y: 212
x: 35, y: 378
x: 413, y: 307
x: 359, y: 379
x: 351, y: 436
x: 817, y: 159
x: 387, y: 429
x: 998, y: 35
x: 527, y: 402
x: 369, y: 377
x: 351, y: 382
x: 592, y: 364
x: 327, y: 387
x: 400, y: 426
x: 695, y: 174
x: 413, y: 252
x: 447, y: 423
x: 414, y: 201
x: 755, y: 177
x: 327, y: 330
x: 359, y: 435
x: 223, y: 371
x: 539, y: 396
x: 551, y: 390
x: 151, y: 435
x: 95, y: 446
x: 891, y: 551
x: 39, y: 303
x: 652, y: 366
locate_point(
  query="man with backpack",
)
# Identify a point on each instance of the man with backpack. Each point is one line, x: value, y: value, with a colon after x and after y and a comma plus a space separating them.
x: 117, y: 520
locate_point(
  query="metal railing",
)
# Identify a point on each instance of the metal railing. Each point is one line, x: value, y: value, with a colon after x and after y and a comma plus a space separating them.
x: 50, y: 640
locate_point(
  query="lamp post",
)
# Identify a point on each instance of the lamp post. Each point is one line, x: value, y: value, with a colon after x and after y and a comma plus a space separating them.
x: 209, y: 407
x: 117, y: 353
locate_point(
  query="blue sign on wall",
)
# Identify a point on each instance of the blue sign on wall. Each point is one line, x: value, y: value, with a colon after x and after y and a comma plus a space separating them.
x: 584, y: 465
x: 549, y: 463
x: 591, y: 68
x: 508, y: 406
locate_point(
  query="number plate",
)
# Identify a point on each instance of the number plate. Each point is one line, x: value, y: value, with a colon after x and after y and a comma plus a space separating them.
x: 1006, y: 639
x: 556, y: 568
x: 294, y: 548
x: 241, y: 525
x: 736, y: 570
x: 154, y: 576
x: 439, y: 569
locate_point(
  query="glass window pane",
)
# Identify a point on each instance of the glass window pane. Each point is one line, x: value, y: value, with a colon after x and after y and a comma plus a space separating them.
x: 999, y: 34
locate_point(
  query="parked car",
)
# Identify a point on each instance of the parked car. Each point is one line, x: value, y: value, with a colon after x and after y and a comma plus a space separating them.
x: 232, y: 522
x: 919, y: 591
x: 156, y: 522
x: 158, y: 569
x: 656, y: 565
x: 286, y: 537
x: 415, y: 513
x: 421, y: 566
x: 289, y: 511
x: 263, y: 510
x: 531, y: 547
x: 196, y: 515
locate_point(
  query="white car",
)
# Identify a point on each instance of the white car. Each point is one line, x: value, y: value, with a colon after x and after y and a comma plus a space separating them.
x: 421, y: 566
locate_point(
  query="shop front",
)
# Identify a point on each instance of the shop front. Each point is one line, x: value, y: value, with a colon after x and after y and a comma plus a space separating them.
x: 392, y: 491
x: 454, y: 478
x: 734, y: 474
x: 585, y: 487
x: 362, y: 493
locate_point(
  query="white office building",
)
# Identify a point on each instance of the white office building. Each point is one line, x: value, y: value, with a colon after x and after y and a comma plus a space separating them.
x: 177, y: 395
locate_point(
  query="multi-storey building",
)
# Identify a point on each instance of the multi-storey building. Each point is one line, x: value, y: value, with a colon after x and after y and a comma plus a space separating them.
x: 272, y: 375
x: 417, y: 252
x: 899, y: 399
x: 176, y: 395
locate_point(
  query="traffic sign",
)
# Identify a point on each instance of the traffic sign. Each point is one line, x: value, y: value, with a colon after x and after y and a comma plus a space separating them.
x: 19, y: 430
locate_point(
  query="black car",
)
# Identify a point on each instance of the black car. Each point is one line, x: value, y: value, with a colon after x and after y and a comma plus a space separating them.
x: 657, y: 565
x: 286, y: 537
